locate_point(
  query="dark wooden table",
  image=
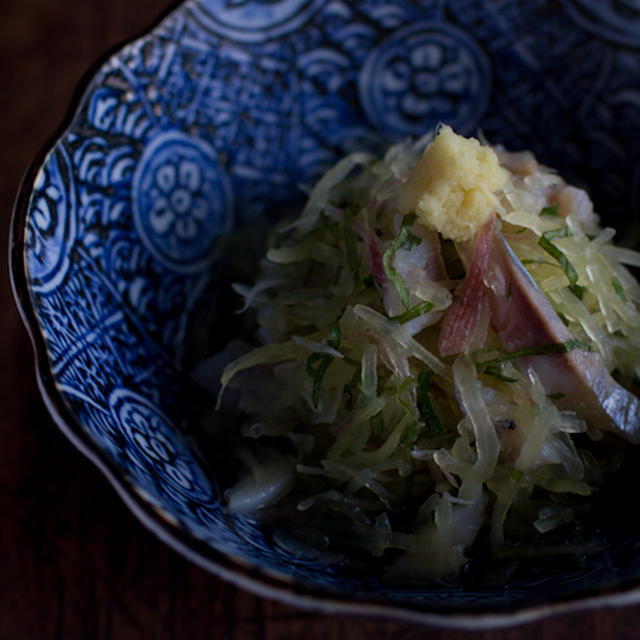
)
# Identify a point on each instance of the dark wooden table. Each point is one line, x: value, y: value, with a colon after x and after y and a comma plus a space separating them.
x: 74, y: 563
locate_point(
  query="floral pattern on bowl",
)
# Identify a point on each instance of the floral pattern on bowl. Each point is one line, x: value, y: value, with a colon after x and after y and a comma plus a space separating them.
x: 208, y: 124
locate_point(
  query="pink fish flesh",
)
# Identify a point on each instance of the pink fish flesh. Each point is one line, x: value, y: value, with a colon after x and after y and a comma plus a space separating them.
x: 523, y: 318
x: 465, y: 322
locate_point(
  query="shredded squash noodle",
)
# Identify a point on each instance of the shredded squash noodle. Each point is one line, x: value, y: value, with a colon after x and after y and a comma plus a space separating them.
x: 419, y: 395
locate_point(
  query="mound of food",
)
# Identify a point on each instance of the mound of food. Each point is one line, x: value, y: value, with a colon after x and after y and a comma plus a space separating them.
x: 448, y: 339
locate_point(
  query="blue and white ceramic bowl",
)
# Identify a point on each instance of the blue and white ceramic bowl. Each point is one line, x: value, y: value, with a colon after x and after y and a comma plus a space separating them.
x: 207, y: 125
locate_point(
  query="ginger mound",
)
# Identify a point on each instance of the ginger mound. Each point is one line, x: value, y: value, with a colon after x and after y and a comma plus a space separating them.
x: 452, y: 187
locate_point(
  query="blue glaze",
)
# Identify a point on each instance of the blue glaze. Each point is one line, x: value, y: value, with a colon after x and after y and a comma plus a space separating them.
x: 423, y: 74
x: 181, y: 201
x: 210, y: 122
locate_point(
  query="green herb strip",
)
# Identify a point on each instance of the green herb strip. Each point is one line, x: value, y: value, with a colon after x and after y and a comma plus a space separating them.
x: 527, y: 261
x: 335, y: 335
x: 425, y: 408
x: 353, y: 383
x: 516, y: 474
x: 350, y: 246
x: 411, y: 240
x: 566, y: 266
x: 556, y: 347
x: 377, y: 424
x: 411, y: 433
x: 323, y: 360
x: 404, y: 240
x: 353, y: 363
x: 577, y: 290
x: 414, y: 312
x: 355, y: 378
x: 403, y: 403
x: 423, y: 404
x: 619, y: 288
x: 407, y: 221
x: 492, y: 370
x: 405, y: 384
x: 552, y: 212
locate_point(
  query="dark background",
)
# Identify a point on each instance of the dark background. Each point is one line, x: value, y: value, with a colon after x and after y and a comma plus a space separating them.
x: 74, y: 563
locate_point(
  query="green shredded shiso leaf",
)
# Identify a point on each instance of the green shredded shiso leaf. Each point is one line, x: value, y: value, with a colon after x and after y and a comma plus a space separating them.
x: 386, y: 449
x: 425, y: 408
x: 566, y: 266
x: 404, y: 240
x: 546, y: 349
x: 321, y: 363
x: 619, y: 288
x: 552, y: 211
x: 414, y: 312
x: 492, y: 370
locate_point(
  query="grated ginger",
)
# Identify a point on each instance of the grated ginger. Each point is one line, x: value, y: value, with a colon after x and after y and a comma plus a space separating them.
x: 452, y: 187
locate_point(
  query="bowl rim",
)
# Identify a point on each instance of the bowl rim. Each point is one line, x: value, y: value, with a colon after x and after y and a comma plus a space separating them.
x: 260, y: 582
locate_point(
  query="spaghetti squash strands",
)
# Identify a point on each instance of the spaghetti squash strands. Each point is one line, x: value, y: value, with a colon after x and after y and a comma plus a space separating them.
x: 439, y: 334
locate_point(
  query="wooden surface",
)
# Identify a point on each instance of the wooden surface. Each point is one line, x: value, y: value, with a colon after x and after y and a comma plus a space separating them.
x: 74, y: 563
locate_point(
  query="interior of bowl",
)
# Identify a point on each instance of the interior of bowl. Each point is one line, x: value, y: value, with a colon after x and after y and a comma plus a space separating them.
x: 191, y: 141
